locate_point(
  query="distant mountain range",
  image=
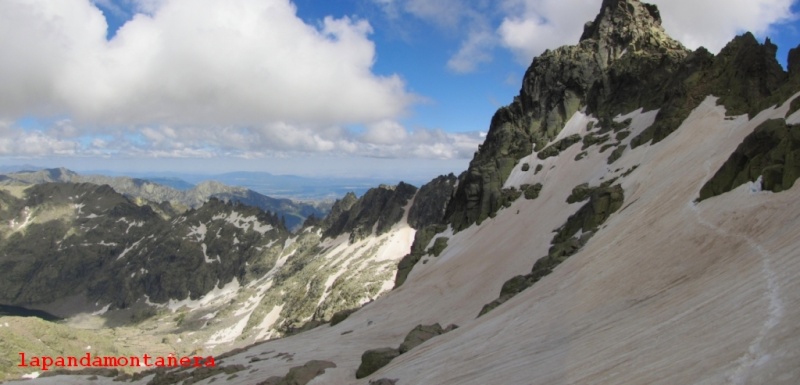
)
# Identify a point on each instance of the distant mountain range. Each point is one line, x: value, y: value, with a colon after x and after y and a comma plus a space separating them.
x: 180, y: 194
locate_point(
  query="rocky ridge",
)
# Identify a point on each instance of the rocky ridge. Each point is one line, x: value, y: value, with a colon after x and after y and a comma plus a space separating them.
x: 153, y: 193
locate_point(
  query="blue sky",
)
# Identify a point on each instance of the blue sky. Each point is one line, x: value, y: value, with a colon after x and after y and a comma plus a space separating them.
x: 349, y: 87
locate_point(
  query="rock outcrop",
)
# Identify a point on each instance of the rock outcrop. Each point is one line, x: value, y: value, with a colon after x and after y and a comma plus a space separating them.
x: 375, y: 212
x: 619, y: 65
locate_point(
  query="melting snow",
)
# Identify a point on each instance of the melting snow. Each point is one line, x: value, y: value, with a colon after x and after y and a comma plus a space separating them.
x: 129, y: 248
x: 28, y: 213
x: 215, y: 295
x: 198, y: 231
x: 244, y: 223
x: 228, y: 334
x: 131, y: 224
x: 31, y: 375
x: 267, y: 323
x: 101, y: 312
x: 205, y: 256
x: 755, y: 187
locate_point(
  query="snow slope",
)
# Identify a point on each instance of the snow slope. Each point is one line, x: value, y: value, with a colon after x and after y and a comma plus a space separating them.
x: 668, y: 291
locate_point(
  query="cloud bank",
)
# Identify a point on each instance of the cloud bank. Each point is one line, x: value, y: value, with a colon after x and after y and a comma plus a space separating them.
x: 191, y: 77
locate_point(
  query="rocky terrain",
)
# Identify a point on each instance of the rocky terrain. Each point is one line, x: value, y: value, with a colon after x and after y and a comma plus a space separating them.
x: 293, y: 213
x: 148, y: 278
x: 630, y: 219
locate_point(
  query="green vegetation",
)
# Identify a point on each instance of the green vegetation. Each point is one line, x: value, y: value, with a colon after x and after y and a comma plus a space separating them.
x: 772, y: 152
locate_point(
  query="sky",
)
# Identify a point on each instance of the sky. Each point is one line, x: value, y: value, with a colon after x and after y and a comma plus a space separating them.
x: 357, y: 88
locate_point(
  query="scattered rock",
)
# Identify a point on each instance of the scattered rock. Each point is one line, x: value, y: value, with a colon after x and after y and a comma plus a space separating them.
x: 374, y: 359
x: 300, y: 375
x: 418, y: 335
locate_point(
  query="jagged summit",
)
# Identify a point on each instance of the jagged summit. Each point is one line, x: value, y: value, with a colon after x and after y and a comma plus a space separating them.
x: 622, y: 62
x: 626, y: 24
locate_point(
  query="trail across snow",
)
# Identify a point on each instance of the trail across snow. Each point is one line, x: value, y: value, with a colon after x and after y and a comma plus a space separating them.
x: 755, y: 354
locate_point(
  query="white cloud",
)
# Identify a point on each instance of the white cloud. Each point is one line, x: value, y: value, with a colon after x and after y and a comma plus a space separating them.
x: 192, y: 62
x: 385, y: 132
x: 531, y: 26
x: 713, y: 23
x: 21, y: 143
x: 474, y: 50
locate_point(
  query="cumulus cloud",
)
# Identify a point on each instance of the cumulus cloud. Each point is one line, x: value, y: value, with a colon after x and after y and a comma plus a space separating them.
x: 474, y: 51
x: 193, y: 62
x: 201, y: 78
x: 689, y: 20
x: 17, y: 142
x: 531, y: 26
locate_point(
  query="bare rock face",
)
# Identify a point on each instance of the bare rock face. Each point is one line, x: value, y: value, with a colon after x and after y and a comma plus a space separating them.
x: 431, y: 201
x: 374, y: 359
x: 621, y: 58
x: 379, y: 209
x: 300, y: 375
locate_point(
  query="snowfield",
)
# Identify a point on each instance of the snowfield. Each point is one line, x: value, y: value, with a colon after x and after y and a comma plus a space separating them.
x: 668, y: 291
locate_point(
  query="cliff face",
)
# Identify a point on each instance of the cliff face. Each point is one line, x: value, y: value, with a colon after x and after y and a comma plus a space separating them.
x: 624, y: 45
x: 624, y: 61
x: 374, y: 213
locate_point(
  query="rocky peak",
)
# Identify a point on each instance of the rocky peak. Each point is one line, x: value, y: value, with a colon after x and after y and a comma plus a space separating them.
x: 375, y: 212
x: 625, y: 25
x: 620, y: 64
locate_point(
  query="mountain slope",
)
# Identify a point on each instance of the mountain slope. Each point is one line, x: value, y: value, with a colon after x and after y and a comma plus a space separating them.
x: 601, y: 174
x: 211, y: 279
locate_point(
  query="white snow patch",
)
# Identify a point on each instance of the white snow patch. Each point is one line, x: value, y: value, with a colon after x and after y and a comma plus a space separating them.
x: 640, y: 121
x: 249, y: 305
x: 92, y: 216
x: 103, y: 310
x: 245, y: 223
x: 206, y: 258
x: 199, y: 232
x: 31, y: 376
x: 261, y: 229
x: 27, y: 213
x: 209, y: 316
x: 133, y: 224
x: 268, y: 321
x: 129, y: 248
x: 216, y: 295
x: 103, y: 243
x: 79, y: 207
x: 755, y: 187
x: 289, y: 242
x: 228, y: 334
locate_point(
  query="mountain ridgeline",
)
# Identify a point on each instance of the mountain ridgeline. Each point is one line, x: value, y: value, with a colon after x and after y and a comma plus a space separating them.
x: 61, y: 240
x: 294, y: 213
x: 624, y: 61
